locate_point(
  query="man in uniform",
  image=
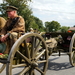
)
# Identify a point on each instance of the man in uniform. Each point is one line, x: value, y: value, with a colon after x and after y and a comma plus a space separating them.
x: 14, y: 25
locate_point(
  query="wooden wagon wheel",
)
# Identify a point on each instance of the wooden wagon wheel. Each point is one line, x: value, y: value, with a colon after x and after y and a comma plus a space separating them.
x: 30, y: 48
x: 43, y: 35
x: 72, y: 51
x: 2, y: 67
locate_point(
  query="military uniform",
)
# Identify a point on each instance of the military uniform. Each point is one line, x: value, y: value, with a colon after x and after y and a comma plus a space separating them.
x: 13, y: 27
x: 18, y: 27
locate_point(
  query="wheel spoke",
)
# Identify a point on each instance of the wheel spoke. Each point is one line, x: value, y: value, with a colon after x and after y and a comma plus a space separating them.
x: 32, y: 72
x: 73, y: 48
x: 42, y: 61
x: 26, y: 69
x: 33, y: 47
x: 39, y: 70
x: 37, y: 48
x: 25, y: 58
x: 27, y: 50
x: 2, y: 68
x: 18, y: 65
x: 40, y: 54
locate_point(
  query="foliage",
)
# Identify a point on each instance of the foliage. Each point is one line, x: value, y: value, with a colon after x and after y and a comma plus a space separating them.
x: 20, y: 4
x: 39, y: 24
x: 64, y: 29
x: 52, y: 26
x: 25, y: 11
x: 23, y: 7
x: 74, y: 26
x: 36, y: 23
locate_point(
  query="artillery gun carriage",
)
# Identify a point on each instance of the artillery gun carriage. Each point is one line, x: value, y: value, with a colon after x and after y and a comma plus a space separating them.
x: 31, y: 51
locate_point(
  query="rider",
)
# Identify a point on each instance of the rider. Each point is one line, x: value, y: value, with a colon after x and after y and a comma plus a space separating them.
x: 14, y: 25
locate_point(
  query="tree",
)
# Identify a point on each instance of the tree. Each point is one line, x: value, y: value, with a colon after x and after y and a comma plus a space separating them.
x: 23, y: 7
x: 74, y: 26
x: 52, y: 26
x: 64, y: 29
x: 25, y: 11
x: 39, y: 23
x: 36, y: 23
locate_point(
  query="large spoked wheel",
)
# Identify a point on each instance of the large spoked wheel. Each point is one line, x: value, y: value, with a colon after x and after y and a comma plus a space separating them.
x: 33, y: 54
x: 43, y: 35
x: 72, y: 51
x: 2, y: 67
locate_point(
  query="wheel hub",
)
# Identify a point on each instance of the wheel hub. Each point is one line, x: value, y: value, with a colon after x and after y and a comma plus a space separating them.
x: 34, y: 63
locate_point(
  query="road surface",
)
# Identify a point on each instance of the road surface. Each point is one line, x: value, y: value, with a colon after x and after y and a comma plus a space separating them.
x: 57, y: 66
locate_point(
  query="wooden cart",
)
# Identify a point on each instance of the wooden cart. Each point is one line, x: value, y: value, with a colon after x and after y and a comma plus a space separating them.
x: 31, y: 51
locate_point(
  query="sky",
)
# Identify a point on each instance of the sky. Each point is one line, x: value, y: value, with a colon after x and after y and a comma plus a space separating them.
x: 62, y: 11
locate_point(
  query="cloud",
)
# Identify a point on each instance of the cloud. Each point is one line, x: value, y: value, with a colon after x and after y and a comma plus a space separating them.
x: 1, y: 1
x: 61, y: 10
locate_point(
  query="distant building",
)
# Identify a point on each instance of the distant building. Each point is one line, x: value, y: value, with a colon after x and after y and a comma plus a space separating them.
x: 71, y: 29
